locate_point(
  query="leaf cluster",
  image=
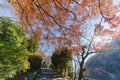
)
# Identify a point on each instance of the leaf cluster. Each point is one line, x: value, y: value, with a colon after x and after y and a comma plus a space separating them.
x: 35, y: 62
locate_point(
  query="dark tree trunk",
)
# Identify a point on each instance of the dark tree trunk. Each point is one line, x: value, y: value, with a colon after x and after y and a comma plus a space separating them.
x: 80, y: 77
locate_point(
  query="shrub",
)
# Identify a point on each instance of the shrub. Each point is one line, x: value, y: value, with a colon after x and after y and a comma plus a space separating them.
x: 61, y: 60
x: 35, y: 62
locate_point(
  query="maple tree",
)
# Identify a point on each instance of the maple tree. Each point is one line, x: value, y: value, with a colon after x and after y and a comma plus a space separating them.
x: 60, y: 22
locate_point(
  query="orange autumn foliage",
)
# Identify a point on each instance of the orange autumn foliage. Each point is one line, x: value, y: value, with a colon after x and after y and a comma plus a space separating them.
x: 64, y: 50
x: 60, y: 21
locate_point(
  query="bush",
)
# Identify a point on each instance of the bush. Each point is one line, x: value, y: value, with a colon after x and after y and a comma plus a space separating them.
x: 35, y: 62
x: 61, y: 60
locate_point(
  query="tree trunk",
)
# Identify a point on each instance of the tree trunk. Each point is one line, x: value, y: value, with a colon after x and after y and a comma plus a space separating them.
x: 80, y: 74
x: 80, y: 77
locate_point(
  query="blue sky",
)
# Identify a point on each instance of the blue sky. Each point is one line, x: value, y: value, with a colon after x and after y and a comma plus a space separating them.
x: 5, y: 9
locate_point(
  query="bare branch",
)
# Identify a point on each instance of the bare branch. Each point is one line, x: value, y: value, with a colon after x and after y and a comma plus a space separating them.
x: 76, y: 2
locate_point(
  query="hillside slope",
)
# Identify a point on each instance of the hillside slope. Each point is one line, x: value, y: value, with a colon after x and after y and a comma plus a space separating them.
x: 105, y: 65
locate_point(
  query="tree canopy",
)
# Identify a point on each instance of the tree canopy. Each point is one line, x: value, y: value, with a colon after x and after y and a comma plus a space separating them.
x: 64, y: 22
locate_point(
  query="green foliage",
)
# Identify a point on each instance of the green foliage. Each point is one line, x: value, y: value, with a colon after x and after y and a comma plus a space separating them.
x: 35, y: 62
x: 32, y: 47
x: 62, y: 62
x: 13, y: 54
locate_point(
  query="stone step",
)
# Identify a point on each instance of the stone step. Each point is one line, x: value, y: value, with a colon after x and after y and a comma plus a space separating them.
x: 49, y: 74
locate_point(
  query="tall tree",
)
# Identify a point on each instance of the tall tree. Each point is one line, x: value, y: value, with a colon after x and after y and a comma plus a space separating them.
x: 13, y: 54
x: 84, y: 53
